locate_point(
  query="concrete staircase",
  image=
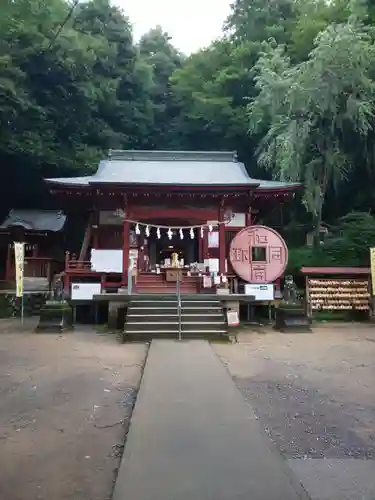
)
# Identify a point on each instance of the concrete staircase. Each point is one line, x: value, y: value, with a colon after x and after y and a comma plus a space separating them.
x: 152, y: 283
x: 149, y: 318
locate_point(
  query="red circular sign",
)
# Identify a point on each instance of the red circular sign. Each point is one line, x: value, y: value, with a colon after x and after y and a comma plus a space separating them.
x: 258, y: 254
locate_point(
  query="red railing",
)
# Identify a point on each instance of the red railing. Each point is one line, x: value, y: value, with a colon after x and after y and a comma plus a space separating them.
x: 73, y: 264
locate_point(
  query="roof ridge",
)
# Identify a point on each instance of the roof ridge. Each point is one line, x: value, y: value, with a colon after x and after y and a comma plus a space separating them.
x: 149, y: 155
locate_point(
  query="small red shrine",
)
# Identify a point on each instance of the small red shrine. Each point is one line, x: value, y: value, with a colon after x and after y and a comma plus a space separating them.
x: 155, y: 210
x: 42, y: 233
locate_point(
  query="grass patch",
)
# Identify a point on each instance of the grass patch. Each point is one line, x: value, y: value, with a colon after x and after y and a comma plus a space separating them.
x: 340, y: 316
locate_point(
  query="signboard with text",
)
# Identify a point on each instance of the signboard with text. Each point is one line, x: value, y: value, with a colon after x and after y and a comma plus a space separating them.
x: 260, y: 292
x: 19, y: 259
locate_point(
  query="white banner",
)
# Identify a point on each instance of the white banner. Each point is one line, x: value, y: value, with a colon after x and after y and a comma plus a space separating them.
x: 19, y: 259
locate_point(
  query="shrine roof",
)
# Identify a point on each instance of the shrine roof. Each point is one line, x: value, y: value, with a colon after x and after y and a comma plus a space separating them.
x: 35, y: 220
x: 170, y: 168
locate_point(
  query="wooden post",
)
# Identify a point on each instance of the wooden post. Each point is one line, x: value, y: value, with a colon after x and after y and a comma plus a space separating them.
x: 249, y: 218
x: 125, y: 250
x: 222, y: 249
x: 141, y: 257
x: 102, y: 283
x: 65, y: 276
x: 86, y: 238
x: 205, y: 244
x: 67, y: 258
x: 200, y: 246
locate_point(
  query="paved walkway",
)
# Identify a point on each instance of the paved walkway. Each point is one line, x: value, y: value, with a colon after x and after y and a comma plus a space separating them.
x: 193, y: 437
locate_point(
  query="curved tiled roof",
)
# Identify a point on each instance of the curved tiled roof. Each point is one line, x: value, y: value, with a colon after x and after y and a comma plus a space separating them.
x: 171, y: 168
x: 35, y: 220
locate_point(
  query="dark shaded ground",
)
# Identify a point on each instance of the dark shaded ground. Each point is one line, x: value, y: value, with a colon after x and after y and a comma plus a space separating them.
x: 65, y: 403
x: 312, y: 393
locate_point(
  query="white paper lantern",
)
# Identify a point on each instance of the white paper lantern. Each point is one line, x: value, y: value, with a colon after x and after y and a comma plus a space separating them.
x: 181, y: 234
x: 137, y: 230
x: 192, y: 233
x: 158, y: 233
x: 170, y: 233
x: 147, y: 231
x: 202, y: 232
x: 210, y: 228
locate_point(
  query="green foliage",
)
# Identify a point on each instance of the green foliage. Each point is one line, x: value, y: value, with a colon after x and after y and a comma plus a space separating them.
x: 314, y: 108
x: 290, y: 86
x: 348, y: 245
x: 65, y: 100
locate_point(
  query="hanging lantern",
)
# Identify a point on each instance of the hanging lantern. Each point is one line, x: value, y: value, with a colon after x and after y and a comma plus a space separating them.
x: 170, y: 233
x: 202, y: 232
x: 210, y: 228
x: 147, y: 231
x: 137, y: 230
x: 192, y: 233
x: 158, y: 233
x: 181, y: 234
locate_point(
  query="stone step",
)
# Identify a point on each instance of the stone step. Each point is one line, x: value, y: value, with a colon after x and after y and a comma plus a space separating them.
x: 201, y: 309
x: 146, y: 335
x: 173, y: 310
x: 158, y: 291
x: 153, y: 318
x: 141, y: 309
x: 151, y: 303
x: 160, y: 279
x: 142, y: 318
x: 173, y: 325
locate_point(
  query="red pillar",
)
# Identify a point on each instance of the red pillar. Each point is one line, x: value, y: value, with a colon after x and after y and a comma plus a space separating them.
x: 125, y: 251
x: 200, y: 246
x: 205, y: 244
x: 249, y: 218
x: 221, y: 242
x: 65, y: 276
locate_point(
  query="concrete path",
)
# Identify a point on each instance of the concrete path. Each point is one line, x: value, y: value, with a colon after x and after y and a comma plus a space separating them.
x: 193, y: 437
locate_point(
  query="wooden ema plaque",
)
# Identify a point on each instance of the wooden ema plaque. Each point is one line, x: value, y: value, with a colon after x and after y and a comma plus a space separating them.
x: 258, y: 254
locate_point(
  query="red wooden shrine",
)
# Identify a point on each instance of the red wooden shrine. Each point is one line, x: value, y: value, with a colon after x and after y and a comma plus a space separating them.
x: 42, y: 233
x: 138, y: 202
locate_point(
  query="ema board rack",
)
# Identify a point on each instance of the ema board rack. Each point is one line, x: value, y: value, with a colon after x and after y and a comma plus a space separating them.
x: 338, y: 294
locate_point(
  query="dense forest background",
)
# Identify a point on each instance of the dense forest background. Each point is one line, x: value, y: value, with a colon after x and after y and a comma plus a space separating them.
x: 290, y: 86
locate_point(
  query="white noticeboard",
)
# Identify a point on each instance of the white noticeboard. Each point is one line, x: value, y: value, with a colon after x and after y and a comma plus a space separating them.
x: 213, y: 239
x: 237, y: 220
x: 85, y: 291
x: 232, y: 318
x: 106, y: 261
x: 212, y: 264
x: 261, y: 292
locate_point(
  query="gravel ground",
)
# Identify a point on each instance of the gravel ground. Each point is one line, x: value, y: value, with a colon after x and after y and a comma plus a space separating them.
x: 65, y: 402
x: 313, y: 393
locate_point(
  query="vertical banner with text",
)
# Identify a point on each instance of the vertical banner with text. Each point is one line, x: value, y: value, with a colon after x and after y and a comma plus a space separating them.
x: 372, y: 261
x: 19, y: 259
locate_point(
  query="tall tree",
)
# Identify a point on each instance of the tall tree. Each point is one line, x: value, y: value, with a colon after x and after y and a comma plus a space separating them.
x: 314, y: 108
x: 163, y: 60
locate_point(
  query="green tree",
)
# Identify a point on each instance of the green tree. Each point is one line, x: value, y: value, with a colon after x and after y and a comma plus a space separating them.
x: 65, y: 99
x: 314, y: 108
x: 157, y: 52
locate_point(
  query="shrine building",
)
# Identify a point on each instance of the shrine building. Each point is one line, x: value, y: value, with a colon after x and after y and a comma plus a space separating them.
x: 42, y: 231
x: 149, y: 212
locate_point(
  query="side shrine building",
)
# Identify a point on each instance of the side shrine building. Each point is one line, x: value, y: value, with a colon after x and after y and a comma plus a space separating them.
x: 151, y: 212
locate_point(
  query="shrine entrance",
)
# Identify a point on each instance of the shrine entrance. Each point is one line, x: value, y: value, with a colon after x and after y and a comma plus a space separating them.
x: 161, y: 249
